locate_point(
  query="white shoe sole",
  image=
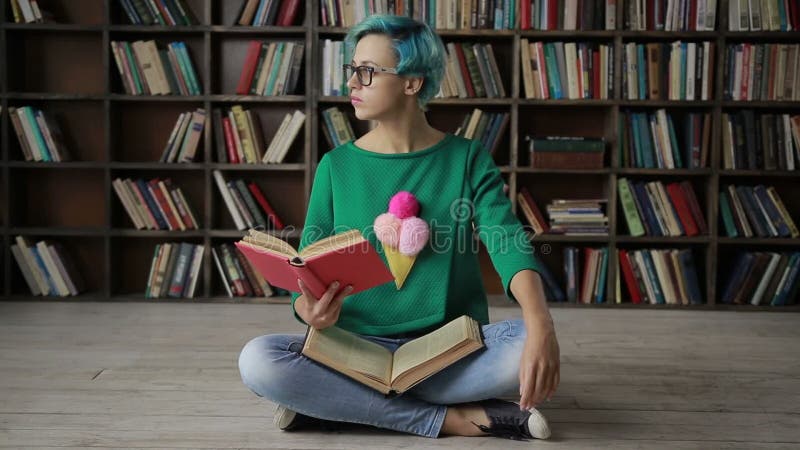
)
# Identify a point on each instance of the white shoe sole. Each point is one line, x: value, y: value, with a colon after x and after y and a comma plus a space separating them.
x: 537, y: 425
x: 283, y: 417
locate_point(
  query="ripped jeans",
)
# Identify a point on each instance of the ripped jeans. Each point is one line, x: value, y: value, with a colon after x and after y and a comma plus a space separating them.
x: 273, y: 367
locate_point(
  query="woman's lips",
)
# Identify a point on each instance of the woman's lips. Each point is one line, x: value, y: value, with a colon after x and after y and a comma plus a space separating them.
x: 355, y: 100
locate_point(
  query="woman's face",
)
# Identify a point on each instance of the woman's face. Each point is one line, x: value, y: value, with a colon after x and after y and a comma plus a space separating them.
x: 386, y: 93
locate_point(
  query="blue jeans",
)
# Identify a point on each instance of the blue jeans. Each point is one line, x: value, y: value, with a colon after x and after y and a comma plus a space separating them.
x: 273, y: 367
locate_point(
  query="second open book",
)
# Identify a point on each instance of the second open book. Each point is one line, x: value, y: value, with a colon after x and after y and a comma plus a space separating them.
x: 375, y: 366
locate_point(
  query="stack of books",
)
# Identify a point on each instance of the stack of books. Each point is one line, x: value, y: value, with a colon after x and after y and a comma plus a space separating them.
x: 240, y: 140
x: 185, y: 137
x: 566, y: 152
x: 767, y: 15
x: 47, y: 268
x: 668, y: 71
x: 571, y: 15
x: 147, y: 70
x: 578, y: 217
x: 39, y: 135
x: 749, y: 211
x: 271, y: 68
x: 155, y: 204
x: 756, y: 71
x: 174, y: 270
x: 161, y: 12
x: 672, y: 15
x: 247, y: 204
x: 28, y: 11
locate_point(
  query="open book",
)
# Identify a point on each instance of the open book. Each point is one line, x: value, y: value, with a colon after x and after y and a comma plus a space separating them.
x: 376, y: 367
x: 347, y: 257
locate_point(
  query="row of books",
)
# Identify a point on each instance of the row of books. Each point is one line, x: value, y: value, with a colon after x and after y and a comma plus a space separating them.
x: 47, y: 268
x: 174, y: 270
x: 271, y: 68
x: 652, y: 209
x: 28, y: 11
x: 259, y: 13
x: 471, y: 71
x: 185, y: 137
x: 766, y: 15
x: 671, y: 15
x: 486, y: 127
x: 660, y: 276
x: 155, y: 204
x: 762, y: 72
x: 158, y: 12
x: 668, y: 71
x: 240, y: 140
x: 336, y: 127
x: 568, y: 15
x: 760, y: 141
x: 247, y: 204
x: 39, y: 135
x: 657, y: 140
x: 763, y: 277
x: 571, y: 70
x: 755, y: 211
x: 438, y: 14
x: 239, y: 277
x: 585, y: 283
x: 147, y: 70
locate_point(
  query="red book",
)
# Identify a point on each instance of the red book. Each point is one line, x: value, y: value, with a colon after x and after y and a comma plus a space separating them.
x: 694, y: 207
x: 158, y: 196
x: 347, y: 257
x: 230, y: 145
x: 259, y: 196
x: 249, y: 69
x: 525, y: 15
x: 462, y: 63
x: 287, y: 12
x: 535, y: 209
x: 682, y: 208
x: 630, y: 279
x: 552, y: 15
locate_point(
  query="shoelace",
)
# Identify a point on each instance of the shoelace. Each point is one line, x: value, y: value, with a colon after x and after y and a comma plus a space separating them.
x: 507, y: 427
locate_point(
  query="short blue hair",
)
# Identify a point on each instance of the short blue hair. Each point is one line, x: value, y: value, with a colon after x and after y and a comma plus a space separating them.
x: 419, y: 50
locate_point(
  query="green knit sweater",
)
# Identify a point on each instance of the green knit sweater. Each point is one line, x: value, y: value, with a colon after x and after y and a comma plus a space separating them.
x: 458, y: 186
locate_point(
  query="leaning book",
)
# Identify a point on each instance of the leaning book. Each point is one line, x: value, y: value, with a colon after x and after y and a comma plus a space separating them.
x: 393, y: 373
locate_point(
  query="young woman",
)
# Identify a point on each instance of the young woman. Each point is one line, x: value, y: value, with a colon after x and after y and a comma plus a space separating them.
x: 456, y: 190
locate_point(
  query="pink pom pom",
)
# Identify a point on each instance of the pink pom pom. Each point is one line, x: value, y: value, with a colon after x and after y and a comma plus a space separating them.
x: 387, y: 229
x: 404, y: 205
x: 414, y: 235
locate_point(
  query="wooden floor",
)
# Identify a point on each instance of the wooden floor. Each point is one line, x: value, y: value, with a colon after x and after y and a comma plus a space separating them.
x: 134, y: 375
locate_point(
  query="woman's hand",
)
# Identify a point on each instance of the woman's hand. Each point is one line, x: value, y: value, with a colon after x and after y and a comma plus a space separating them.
x: 539, y: 366
x: 320, y: 312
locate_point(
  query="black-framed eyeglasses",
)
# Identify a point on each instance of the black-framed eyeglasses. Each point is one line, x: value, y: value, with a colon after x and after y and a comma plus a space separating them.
x: 364, y: 73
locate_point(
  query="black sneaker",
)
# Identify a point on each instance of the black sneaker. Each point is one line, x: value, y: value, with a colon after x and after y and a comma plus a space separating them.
x: 287, y: 420
x: 507, y: 421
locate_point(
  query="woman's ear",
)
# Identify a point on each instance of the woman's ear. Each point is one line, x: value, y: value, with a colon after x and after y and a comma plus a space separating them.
x: 413, y: 85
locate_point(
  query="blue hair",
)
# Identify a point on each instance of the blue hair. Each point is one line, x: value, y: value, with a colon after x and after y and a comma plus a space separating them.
x: 418, y: 49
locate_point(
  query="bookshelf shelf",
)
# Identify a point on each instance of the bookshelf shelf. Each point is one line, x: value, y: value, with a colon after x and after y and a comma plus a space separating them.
x: 68, y: 68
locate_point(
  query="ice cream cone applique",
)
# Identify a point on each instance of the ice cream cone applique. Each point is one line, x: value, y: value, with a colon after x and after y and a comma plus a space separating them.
x: 402, y: 233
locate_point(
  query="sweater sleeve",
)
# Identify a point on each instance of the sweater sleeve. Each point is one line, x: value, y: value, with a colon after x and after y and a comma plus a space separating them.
x: 498, y: 228
x: 319, y: 216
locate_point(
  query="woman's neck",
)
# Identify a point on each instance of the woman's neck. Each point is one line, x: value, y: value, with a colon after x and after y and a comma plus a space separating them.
x: 407, y: 133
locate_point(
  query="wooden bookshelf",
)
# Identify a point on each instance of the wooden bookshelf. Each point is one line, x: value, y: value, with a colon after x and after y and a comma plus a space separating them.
x: 68, y: 68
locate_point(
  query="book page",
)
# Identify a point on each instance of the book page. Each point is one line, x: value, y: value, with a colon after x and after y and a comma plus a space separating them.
x: 269, y: 242
x: 331, y: 243
x: 433, y: 344
x: 351, y: 351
